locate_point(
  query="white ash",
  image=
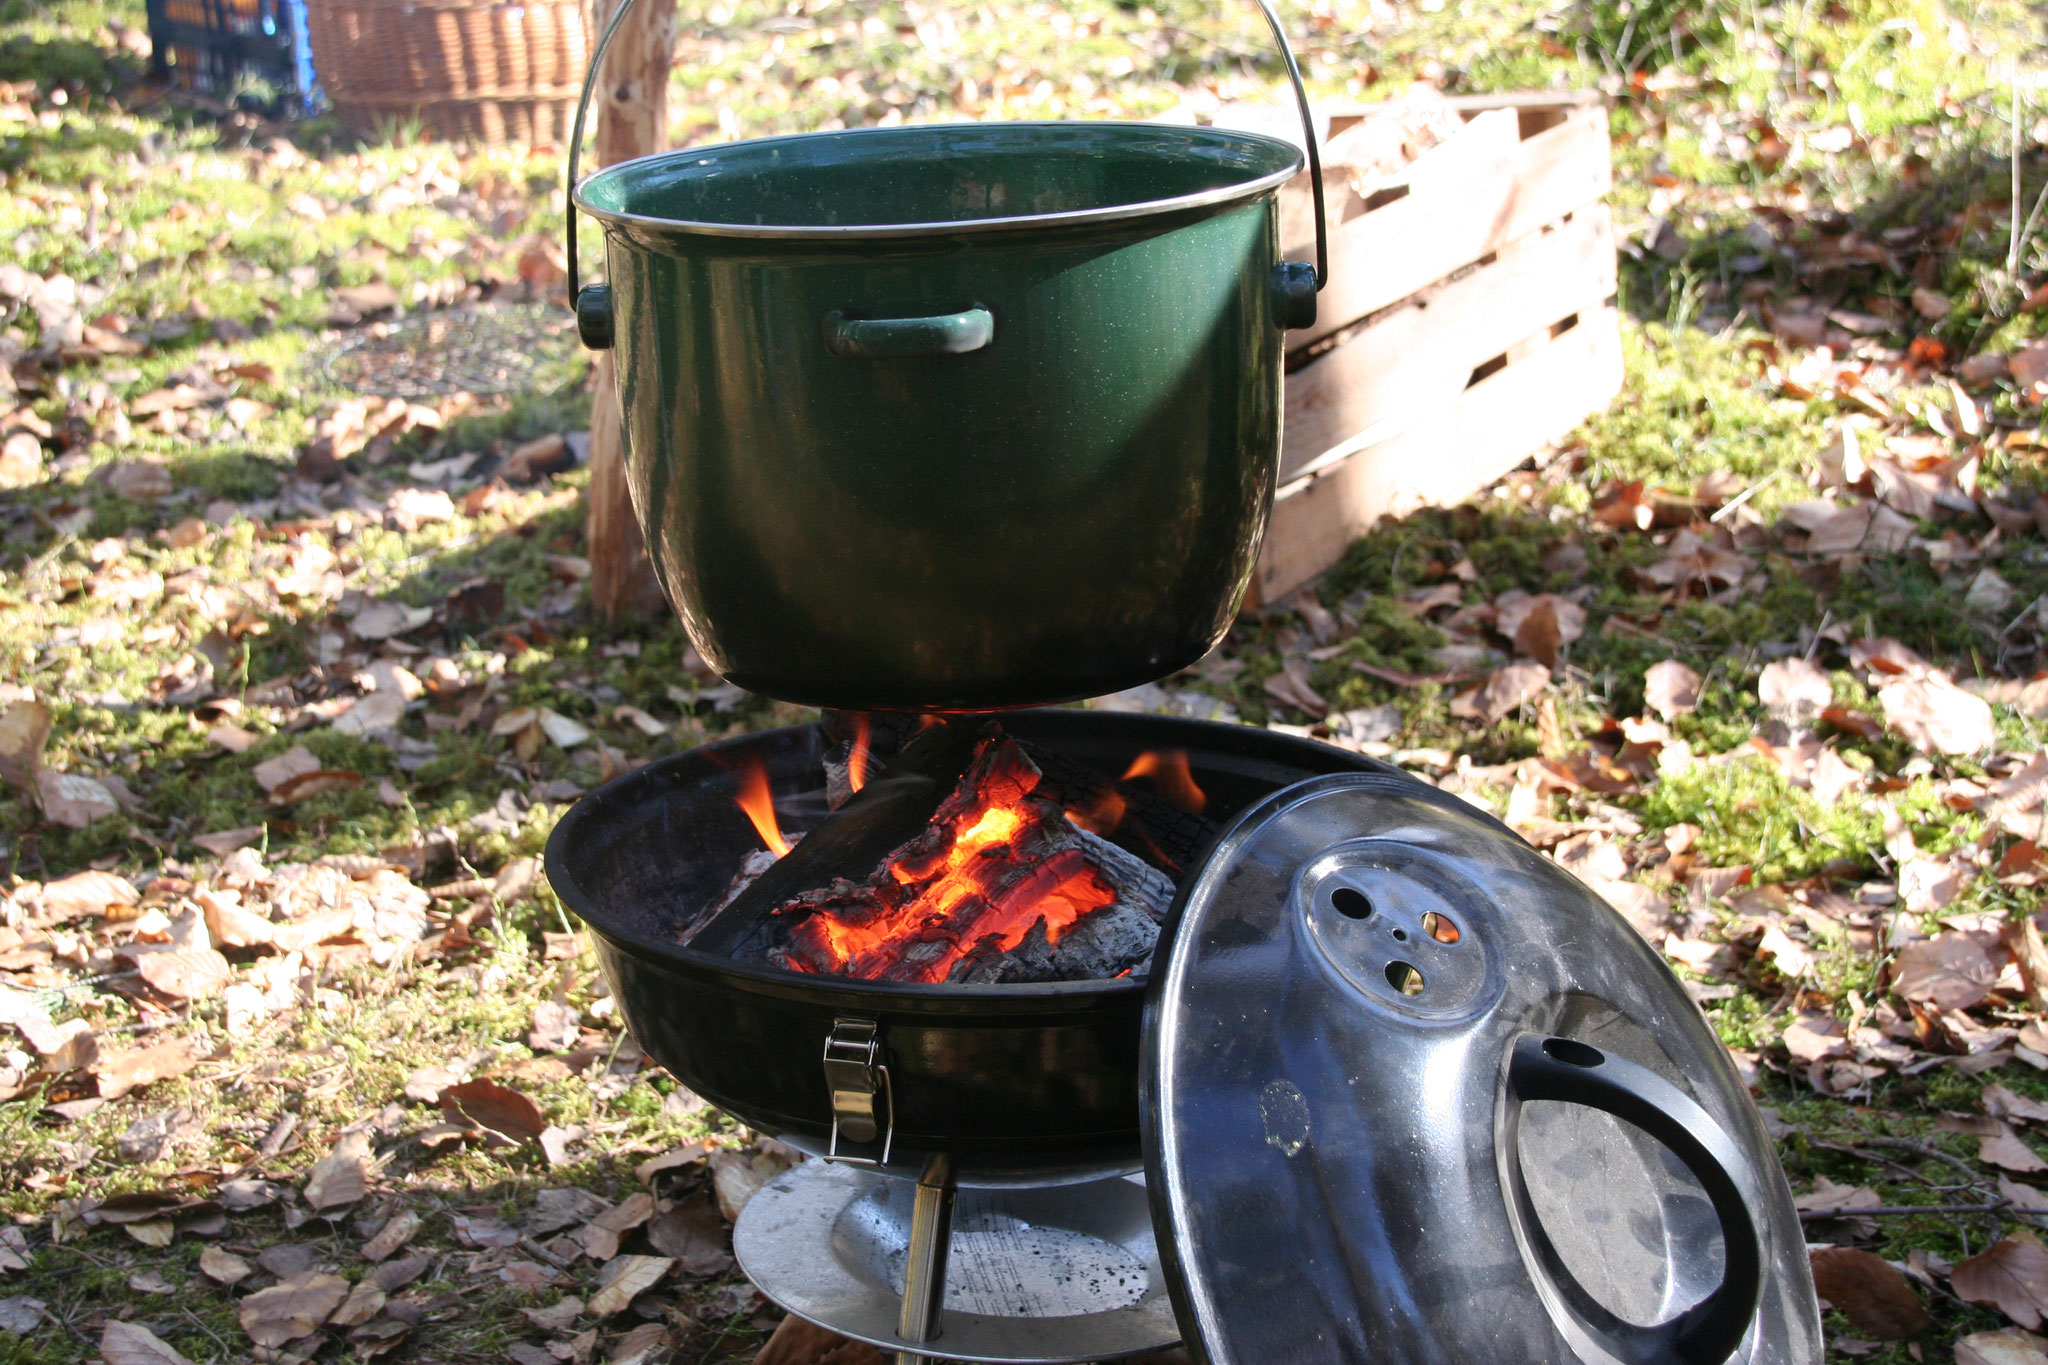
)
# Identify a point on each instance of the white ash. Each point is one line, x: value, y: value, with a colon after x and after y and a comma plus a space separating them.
x: 755, y: 863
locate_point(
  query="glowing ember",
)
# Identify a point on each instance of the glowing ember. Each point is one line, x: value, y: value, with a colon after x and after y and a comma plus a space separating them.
x: 759, y: 804
x: 857, y: 757
x: 1168, y: 769
x: 998, y: 872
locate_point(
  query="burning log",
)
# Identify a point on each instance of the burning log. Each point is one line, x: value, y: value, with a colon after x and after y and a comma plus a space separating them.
x: 886, y: 811
x: 999, y: 886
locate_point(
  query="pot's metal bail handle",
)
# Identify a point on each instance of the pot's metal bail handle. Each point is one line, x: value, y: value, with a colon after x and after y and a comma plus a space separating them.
x: 592, y: 304
x: 856, y: 1077
x: 1295, y: 283
x: 1541, y: 1068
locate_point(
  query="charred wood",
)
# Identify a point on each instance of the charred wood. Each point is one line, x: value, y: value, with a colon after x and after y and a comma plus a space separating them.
x: 892, y: 808
x: 999, y: 886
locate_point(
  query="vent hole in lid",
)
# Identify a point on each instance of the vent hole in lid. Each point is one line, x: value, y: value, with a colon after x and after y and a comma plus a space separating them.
x: 1351, y: 902
x: 1403, y: 977
x: 1439, y: 927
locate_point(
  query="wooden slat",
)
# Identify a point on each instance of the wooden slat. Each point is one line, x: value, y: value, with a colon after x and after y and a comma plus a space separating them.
x: 1412, y: 361
x: 1478, y: 148
x: 1381, y: 256
x: 1485, y: 432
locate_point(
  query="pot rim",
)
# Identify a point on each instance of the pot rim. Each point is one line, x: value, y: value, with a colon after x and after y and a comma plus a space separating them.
x: 1242, y: 191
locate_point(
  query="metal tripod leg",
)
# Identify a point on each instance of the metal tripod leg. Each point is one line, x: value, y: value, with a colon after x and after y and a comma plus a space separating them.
x: 924, y: 1271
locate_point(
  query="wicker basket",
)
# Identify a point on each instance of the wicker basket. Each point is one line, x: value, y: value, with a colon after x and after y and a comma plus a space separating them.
x: 471, y: 70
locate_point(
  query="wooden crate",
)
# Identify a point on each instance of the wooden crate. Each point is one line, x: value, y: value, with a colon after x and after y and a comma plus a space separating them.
x: 1468, y: 322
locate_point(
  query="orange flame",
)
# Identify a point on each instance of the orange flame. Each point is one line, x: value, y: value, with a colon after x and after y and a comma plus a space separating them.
x: 1168, y: 769
x: 857, y: 758
x: 1102, y: 815
x: 954, y: 892
x: 755, y: 799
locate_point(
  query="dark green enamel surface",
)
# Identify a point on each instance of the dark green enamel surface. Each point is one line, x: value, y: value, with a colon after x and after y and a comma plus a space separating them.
x: 1070, y: 509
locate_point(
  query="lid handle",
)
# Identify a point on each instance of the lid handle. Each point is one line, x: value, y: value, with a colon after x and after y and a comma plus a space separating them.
x: 1548, y: 1068
x: 594, y: 330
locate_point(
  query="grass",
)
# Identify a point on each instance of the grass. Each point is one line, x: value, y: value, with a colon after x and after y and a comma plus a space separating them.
x: 221, y: 239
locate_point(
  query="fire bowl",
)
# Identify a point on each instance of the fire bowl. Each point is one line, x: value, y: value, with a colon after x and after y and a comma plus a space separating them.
x: 1020, y: 1083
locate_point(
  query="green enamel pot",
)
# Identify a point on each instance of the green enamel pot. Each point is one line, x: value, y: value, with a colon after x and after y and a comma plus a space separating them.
x: 952, y: 416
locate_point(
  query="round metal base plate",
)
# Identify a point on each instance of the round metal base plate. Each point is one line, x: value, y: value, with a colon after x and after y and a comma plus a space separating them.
x: 1048, y: 1276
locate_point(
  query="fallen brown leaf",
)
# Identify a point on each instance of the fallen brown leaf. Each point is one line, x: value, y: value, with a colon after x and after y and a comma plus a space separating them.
x: 130, y: 1343
x: 73, y: 800
x: 85, y: 893
x: 365, y: 1301
x: 1935, y: 716
x: 273, y: 773
x: 1292, y: 686
x: 396, y: 1232
x: 695, y: 1235
x: 2000, y: 1102
x: 2023, y: 1197
x: 494, y: 1108
x: 291, y: 1308
x: 1870, y: 1293
x: 21, y: 1315
x: 223, y: 1267
x: 2012, y: 1276
x: 343, y: 1175
x: 797, y: 1342
x: 1795, y: 691
x: 125, y: 1071
x: 1952, y: 970
x: 24, y: 730
x: 556, y: 1027
x: 1828, y: 1197
x: 1671, y: 689
x: 623, y: 1279
x: 641, y: 1345
x: 2005, y: 1149
x: 393, y: 1276
x: 556, y: 1209
x: 223, y: 842
x: 558, y: 1316
x: 378, y: 1338
x: 315, y: 783
x: 1509, y: 688
x: 737, y: 1174
x: 601, y: 1236
x: 1542, y: 625
x: 2009, y: 1347
x: 186, y: 967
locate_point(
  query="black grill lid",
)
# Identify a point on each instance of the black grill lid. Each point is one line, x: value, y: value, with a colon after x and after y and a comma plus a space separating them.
x: 1414, y: 1094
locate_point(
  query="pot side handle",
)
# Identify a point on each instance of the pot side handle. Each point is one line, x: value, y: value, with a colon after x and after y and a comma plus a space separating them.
x: 1545, y: 1068
x: 876, y: 338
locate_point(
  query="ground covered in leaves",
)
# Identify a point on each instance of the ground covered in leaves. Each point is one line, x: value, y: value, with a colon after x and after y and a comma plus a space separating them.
x: 299, y: 1055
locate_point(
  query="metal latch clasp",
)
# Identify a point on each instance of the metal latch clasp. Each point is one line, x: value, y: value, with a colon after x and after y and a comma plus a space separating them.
x: 855, y: 1075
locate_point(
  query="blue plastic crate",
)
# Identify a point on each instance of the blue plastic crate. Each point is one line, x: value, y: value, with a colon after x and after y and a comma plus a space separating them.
x: 214, y: 47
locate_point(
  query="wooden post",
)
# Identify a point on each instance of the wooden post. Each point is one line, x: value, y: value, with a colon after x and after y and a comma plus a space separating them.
x: 632, y: 120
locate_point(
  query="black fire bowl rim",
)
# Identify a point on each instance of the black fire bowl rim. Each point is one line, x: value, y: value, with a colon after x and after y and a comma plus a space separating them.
x: 623, y: 791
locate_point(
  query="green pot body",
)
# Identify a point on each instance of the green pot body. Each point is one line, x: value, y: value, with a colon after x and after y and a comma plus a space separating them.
x: 1051, y: 487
